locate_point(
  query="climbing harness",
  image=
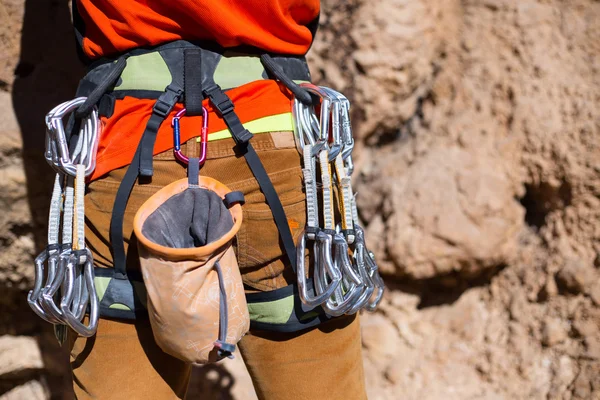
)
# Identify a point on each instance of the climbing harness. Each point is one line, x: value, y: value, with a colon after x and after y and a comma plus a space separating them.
x: 63, y: 297
x: 344, y: 278
x: 190, y: 73
x: 343, y: 284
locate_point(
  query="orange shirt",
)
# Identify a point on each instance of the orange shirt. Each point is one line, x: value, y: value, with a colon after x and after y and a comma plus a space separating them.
x: 121, y: 132
x: 109, y: 27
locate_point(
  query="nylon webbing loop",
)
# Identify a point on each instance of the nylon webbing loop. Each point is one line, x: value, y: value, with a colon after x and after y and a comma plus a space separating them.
x: 232, y: 198
x: 241, y: 135
x: 326, y: 189
x: 69, y: 193
x: 310, y: 186
x: 275, y: 69
x: 192, y: 81
x: 79, y: 210
x: 54, y: 215
x: 161, y: 109
x: 344, y: 185
x: 193, y: 171
x: 109, y: 80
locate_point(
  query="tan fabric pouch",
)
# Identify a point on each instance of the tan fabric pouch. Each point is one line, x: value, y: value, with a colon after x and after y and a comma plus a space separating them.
x: 196, y: 300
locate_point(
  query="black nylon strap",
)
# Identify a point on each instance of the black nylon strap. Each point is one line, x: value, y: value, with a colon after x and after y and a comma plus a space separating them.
x: 166, y: 101
x: 109, y: 80
x: 193, y: 171
x: 118, y: 215
x: 225, y: 108
x: 192, y: 81
x: 242, y: 136
x: 161, y: 109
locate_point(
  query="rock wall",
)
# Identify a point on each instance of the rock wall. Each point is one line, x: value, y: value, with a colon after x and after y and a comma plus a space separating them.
x: 477, y: 175
x: 480, y: 189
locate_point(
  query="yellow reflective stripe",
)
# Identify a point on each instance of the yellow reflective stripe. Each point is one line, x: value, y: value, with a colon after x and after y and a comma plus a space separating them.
x: 273, y: 123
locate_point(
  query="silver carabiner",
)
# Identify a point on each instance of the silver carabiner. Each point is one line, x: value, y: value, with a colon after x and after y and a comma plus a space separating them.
x: 81, y: 296
x: 323, y: 123
x: 306, y: 128
x: 350, y: 289
x: 336, y: 145
x: 57, y: 148
x: 33, y: 297
x: 74, y: 319
x: 369, y: 287
x: 379, y: 284
x: 297, y: 117
x: 323, y: 292
x: 367, y: 259
x: 57, y: 263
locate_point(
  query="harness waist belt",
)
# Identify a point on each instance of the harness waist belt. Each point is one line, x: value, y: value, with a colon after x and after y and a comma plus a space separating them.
x: 148, y: 71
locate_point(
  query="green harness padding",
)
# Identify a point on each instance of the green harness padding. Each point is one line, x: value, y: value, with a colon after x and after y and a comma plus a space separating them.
x: 148, y: 71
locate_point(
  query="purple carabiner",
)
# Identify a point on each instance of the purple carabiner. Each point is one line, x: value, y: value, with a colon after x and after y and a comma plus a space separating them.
x: 177, y: 137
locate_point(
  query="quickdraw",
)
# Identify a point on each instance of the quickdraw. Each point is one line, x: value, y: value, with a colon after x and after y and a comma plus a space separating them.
x: 64, y: 272
x: 346, y: 277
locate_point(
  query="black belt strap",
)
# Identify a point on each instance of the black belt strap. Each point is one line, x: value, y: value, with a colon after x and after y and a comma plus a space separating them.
x: 275, y: 69
x: 161, y: 109
x: 140, y: 165
x: 242, y: 136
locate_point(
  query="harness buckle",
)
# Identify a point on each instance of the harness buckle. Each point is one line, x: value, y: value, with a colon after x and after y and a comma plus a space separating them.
x: 166, y: 101
x: 219, y: 100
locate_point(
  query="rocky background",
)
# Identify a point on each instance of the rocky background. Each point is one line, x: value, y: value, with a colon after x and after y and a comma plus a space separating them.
x: 478, y: 176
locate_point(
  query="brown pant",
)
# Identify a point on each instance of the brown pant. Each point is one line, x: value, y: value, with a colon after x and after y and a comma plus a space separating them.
x: 122, y: 361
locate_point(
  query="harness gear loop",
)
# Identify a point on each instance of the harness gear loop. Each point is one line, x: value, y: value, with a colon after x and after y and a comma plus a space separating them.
x: 271, y: 66
x: 108, y: 81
